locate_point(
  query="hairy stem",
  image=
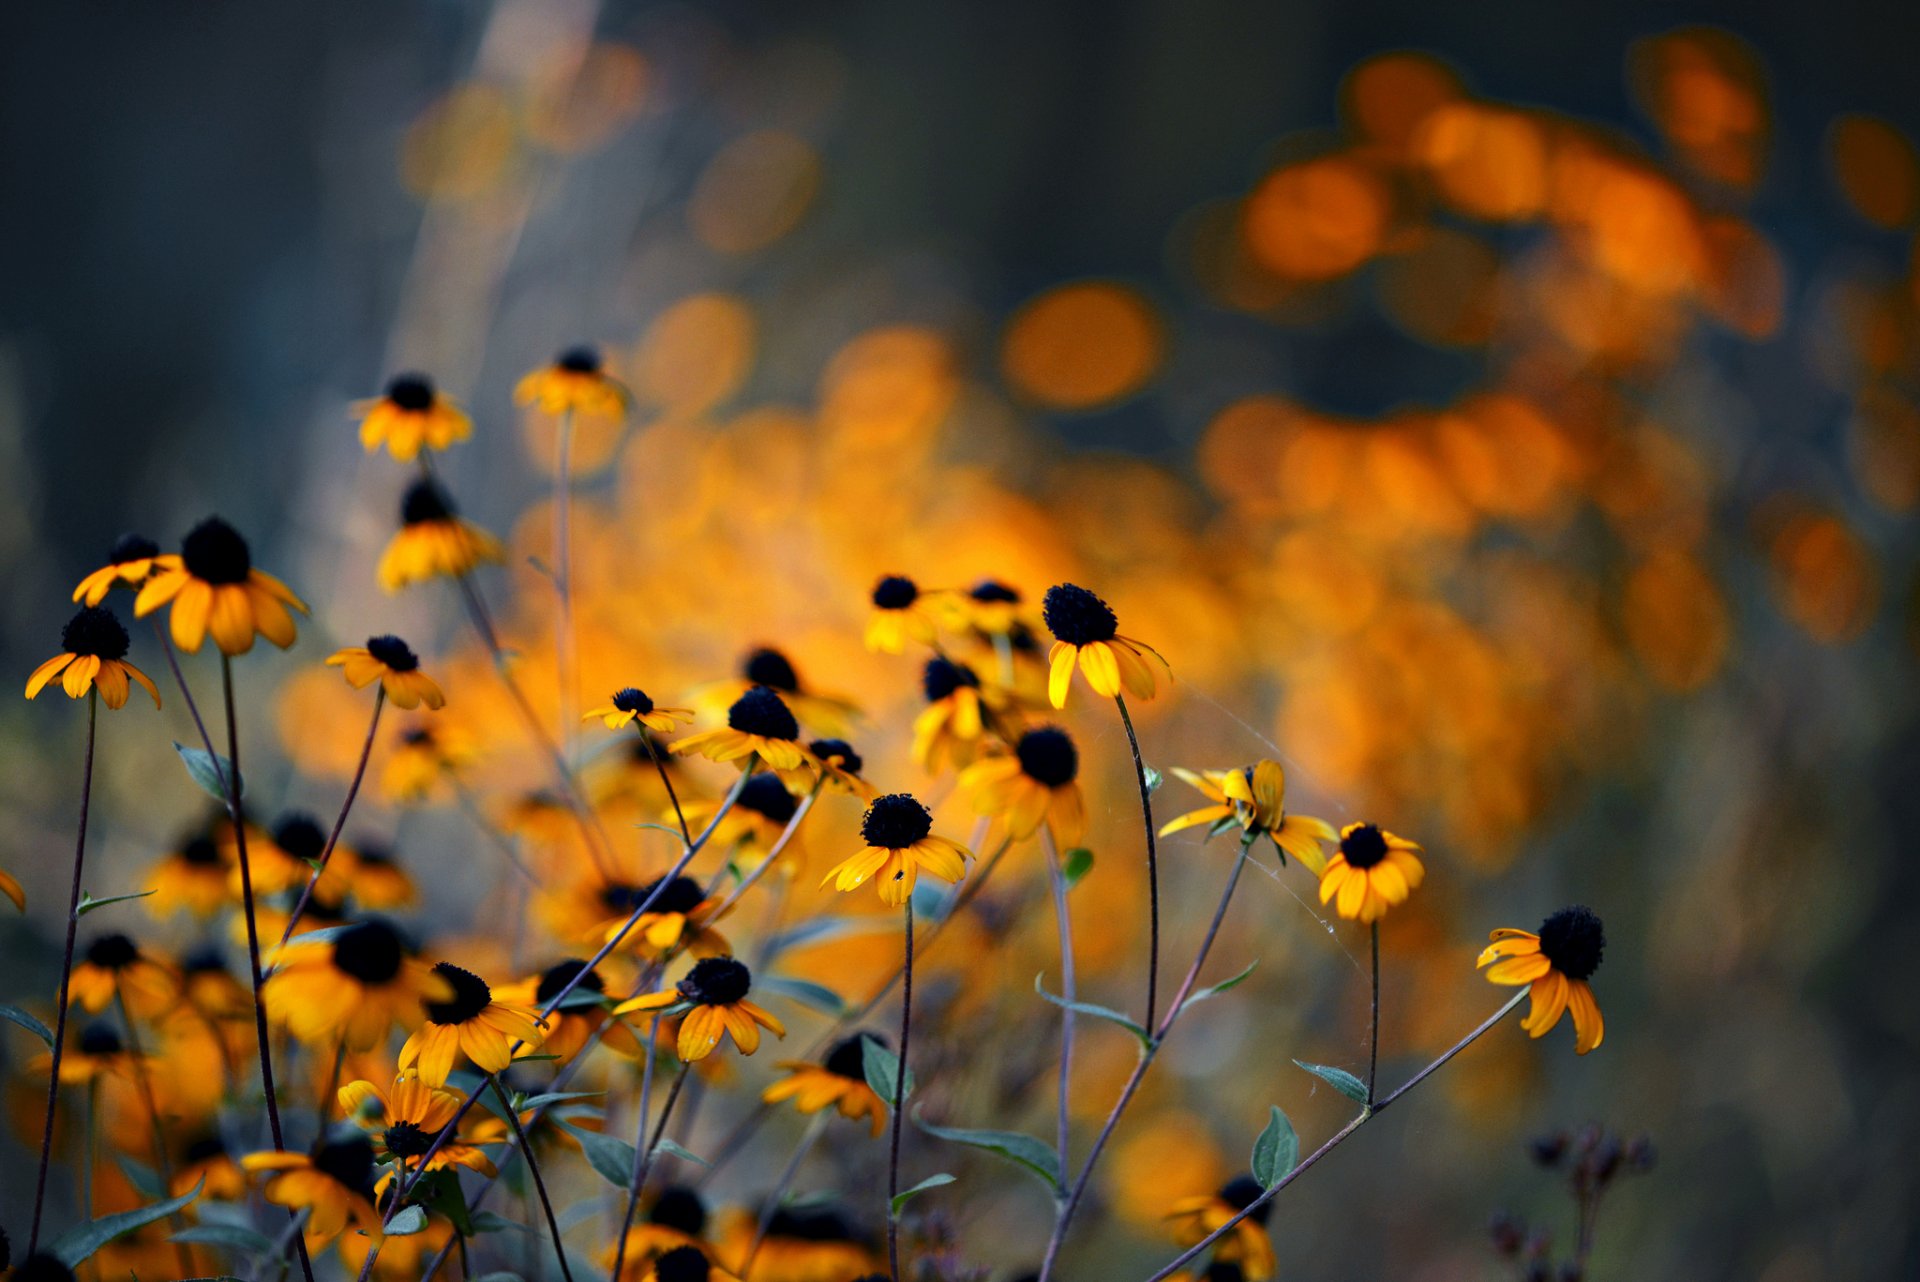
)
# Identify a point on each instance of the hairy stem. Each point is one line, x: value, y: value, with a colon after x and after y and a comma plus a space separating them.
x: 340, y: 820
x: 1153, y: 864
x: 533, y: 1168
x: 1069, y: 988
x: 639, y: 1142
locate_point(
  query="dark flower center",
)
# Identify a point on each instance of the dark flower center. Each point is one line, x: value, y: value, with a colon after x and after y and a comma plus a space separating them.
x: 204, y: 961
x: 1364, y: 846
x: 1241, y: 1192
x: 810, y: 1224
x: 132, y: 547
x: 633, y: 700
x: 716, y: 981
x: 621, y: 896
x: 300, y: 836
x: 768, y: 667
x: 896, y: 821
x: 393, y: 652
x: 1225, y: 1271
x: 99, y: 1039
x: 895, y: 592
x: 416, y: 736
x: 406, y: 1139
x: 214, y: 552
x: 425, y: 501
x: 849, y: 1056
x: 557, y: 976
x: 411, y: 392
x: 681, y: 895
x: 765, y: 795
x: 1047, y: 756
x: 992, y: 591
x: 370, y: 952
x: 113, y: 952
x: 941, y: 677
x: 470, y: 996
x: 679, y: 1207
x: 837, y: 749
x: 580, y: 360
x: 762, y: 712
x: 1573, y: 941
x: 348, y: 1161
x: 205, y: 1149
x: 94, y: 631
x: 200, y: 852
x: 1077, y: 616
x: 378, y: 856
x: 41, y: 1267
x: 682, y: 1264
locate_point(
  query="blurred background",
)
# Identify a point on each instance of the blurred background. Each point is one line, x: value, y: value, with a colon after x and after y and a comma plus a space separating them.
x: 1504, y: 415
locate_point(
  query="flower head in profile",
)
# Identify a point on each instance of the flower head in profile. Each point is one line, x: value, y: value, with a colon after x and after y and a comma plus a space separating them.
x: 130, y: 560
x: 213, y: 586
x: 404, y: 1119
x: 433, y: 540
x: 392, y: 662
x: 580, y: 1013
x: 469, y: 1021
x: 412, y: 413
x: 948, y: 729
x: 1254, y: 798
x: 422, y: 758
x: 206, y: 1162
x: 333, y: 1181
x: 114, y: 966
x: 759, y: 726
x: 95, y: 1051
x: 576, y: 383
x: 1557, y: 962
x: 901, y: 613
x: 377, y: 880
x: 1372, y: 871
x: 1037, y: 782
x: 686, y: 1264
x: 840, y: 767
x: 898, y: 831
x: 716, y: 989
x: 993, y: 608
x: 634, y: 706
x: 839, y: 1081
x: 193, y: 877
x: 1247, y: 1245
x: 354, y: 986
x: 1085, y: 631
x: 93, y: 655
x: 679, y: 914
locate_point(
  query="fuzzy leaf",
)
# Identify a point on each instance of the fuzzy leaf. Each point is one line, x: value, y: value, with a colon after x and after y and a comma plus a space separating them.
x: 1077, y: 864
x: 882, y: 1069
x: 233, y: 1237
x: 685, y: 1155
x: 408, y: 1222
x: 1221, y: 987
x: 206, y: 769
x: 1276, y: 1152
x: 27, y: 1022
x: 612, y: 1158
x: 1107, y: 1013
x: 904, y: 1196
x: 488, y: 1222
x: 804, y: 991
x: 1338, y: 1078
x: 1023, y: 1150
x: 555, y: 1097
x: 80, y: 1242
x: 88, y: 903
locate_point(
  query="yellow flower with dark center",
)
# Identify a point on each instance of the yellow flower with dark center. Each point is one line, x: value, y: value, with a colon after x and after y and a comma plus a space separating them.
x: 1037, y: 782
x: 761, y: 813
x: 576, y: 382
x: 11, y: 889
x: 193, y: 877
x: 377, y: 882
x: 759, y: 725
x: 717, y: 989
x: 470, y: 1021
x: 901, y: 613
x: 993, y: 608
x: 1254, y: 798
x: 677, y: 1218
x: 579, y: 1016
x: 334, y: 1181
x: 93, y: 650
x: 97, y: 1052
x: 840, y: 767
x: 212, y: 991
x: 634, y: 706
x: 1086, y: 632
x: 280, y: 859
x: 411, y: 414
x: 898, y: 832
x: 1248, y: 1244
x: 207, y: 1163
x: 948, y: 729
x: 422, y: 758
x: 433, y: 540
x: 356, y: 985
x: 213, y: 587
x: 404, y: 1120
x: 113, y: 965
x: 839, y: 1081
x: 686, y: 1264
x: 811, y: 1242
x: 681, y: 914
x: 826, y: 714
x: 391, y: 662
x: 1557, y: 963
x: 129, y: 561
x: 1372, y: 871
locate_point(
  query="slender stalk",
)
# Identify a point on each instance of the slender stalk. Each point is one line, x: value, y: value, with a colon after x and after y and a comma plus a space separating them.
x: 565, y: 642
x: 639, y: 1138
x: 471, y: 805
x: 815, y: 1129
x: 1069, y: 989
x: 340, y: 820
x: 773, y: 853
x: 533, y: 1167
x: 161, y: 1163
x: 666, y: 781
x: 66, y: 973
x: 899, y: 1101
x: 1373, y: 1032
x: 1153, y: 863
x: 332, y: 1093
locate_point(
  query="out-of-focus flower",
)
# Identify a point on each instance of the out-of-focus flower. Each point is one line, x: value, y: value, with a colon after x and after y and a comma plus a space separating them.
x: 717, y: 989
x: 405, y: 1118
x: 433, y: 540
x: 901, y: 613
x: 1086, y: 631
x: 838, y: 1081
x: 213, y: 587
x: 1372, y: 871
x: 11, y: 889
x: 193, y: 877
x: 1557, y: 963
x: 576, y: 383
x: 898, y: 832
x: 355, y: 986
x: 129, y: 561
x: 1036, y: 782
x: 468, y: 1021
x: 840, y: 767
x: 207, y: 1163
x: 391, y: 662
x: 686, y: 1264
x: 1247, y: 1245
x: 827, y: 714
x: 411, y: 414
x: 334, y: 1181
x: 948, y: 729
x: 759, y: 726
x: 93, y: 648
x: 113, y: 966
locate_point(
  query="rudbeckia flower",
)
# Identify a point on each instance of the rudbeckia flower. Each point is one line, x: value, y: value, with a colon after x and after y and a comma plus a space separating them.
x: 334, y: 1180
x: 113, y: 965
x: 682, y: 914
x: 760, y: 725
x: 129, y: 561
x: 404, y: 1120
x: 391, y: 662
x: 826, y: 714
x: 1372, y: 871
x: 193, y: 877
x: 376, y: 880
x: 212, y: 991
x: 422, y: 758
x: 569, y: 1027
x: 470, y: 1022
x: 993, y: 608
x: 96, y: 1052
x: 898, y: 832
x: 1036, y: 782
x: 433, y: 540
x: 93, y: 649
x: 631, y: 706
x: 1248, y: 1244
x: 949, y: 728
x: 901, y: 613
x: 760, y: 814
x: 411, y: 414
x: 677, y: 1218
x: 356, y: 985
x: 213, y: 587
x: 803, y: 1243
x: 839, y: 1081
x: 1557, y: 962
x: 717, y: 989
x: 840, y: 767
x: 576, y: 382
x: 1085, y: 631
x: 207, y: 1163
x: 1254, y: 797
x: 282, y: 858
x: 686, y: 1264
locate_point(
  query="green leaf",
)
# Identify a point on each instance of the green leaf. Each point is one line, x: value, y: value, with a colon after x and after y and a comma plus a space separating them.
x: 1154, y: 778
x: 668, y: 1146
x: 1221, y: 987
x: 804, y: 991
x: 27, y: 1022
x: 440, y: 1191
x: 612, y: 1158
x: 488, y: 1222
x: 407, y: 1222
x: 1276, y: 1152
x: 904, y: 1196
x: 79, y: 1243
x: 145, y: 1180
x: 882, y: 1068
x: 499, y: 1277
x: 206, y: 769
x: 88, y: 903
x: 583, y: 998
x: 1077, y: 864
x: 233, y: 1237
x: 1107, y: 1013
x: 556, y: 1097
x: 1338, y: 1078
x: 1023, y: 1150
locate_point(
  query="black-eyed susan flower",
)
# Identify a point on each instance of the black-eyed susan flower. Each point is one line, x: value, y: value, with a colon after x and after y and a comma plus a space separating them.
x: 993, y: 608
x: 677, y: 1218
x: 681, y: 914
x: 93, y: 655
x: 716, y: 989
x: 377, y: 881
x: 412, y: 413
x: 901, y: 613
x: 213, y: 587
x: 354, y: 986
x: 576, y: 382
x: 828, y: 714
x: 685, y: 1264
x: 113, y: 966
x: 280, y: 859
x: 433, y: 540
x: 423, y: 758
x: 129, y: 561
x: 97, y: 1052
x: 838, y: 1081
x: 1036, y: 782
x: 404, y: 1119
x: 840, y: 767
x: 469, y: 1022
x: 759, y: 726
x: 1557, y: 963
x: 1254, y: 798
x: 1247, y: 1245
x: 578, y: 1017
x: 948, y: 729
x: 1372, y: 871
x: 808, y: 1242
x: 760, y: 815
x: 632, y: 706
x: 1085, y: 631
x: 334, y: 1181
x: 193, y: 877
x: 210, y: 990
x: 207, y: 1163
x: 391, y: 662
x: 898, y: 832
x: 11, y: 889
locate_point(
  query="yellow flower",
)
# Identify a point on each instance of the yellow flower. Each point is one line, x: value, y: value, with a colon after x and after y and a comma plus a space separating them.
x: 826, y: 714
x: 405, y: 1118
x: 93, y: 649
x: 1084, y: 629
x: 901, y: 613
x: 421, y: 758
x: 356, y: 985
x: 630, y: 706
x: 814, y: 1242
x: 1557, y: 963
x: 993, y: 608
x: 583, y: 1011
x: 576, y: 382
x: 334, y: 1180
x: 840, y: 767
x: 949, y: 728
x: 1036, y: 782
x: 193, y: 877
x: 433, y: 540
x: 677, y: 1218
x: 97, y: 1052
x: 469, y: 1021
x: 129, y: 561
x: 759, y: 725
x: 898, y: 832
x: 1247, y: 1245
x: 213, y: 586
x: 207, y: 1163
x: 113, y: 965
x: 391, y: 662
x: 686, y: 1264
x: 376, y: 881
x: 717, y: 988
x: 839, y: 1081
x: 411, y: 414
x: 1255, y: 798
x: 1371, y: 872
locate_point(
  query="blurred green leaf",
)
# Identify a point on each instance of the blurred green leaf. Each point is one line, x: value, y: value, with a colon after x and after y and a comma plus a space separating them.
x: 685, y: 1155
x: 1023, y: 1150
x: 904, y: 1196
x: 1221, y: 987
x: 27, y: 1022
x: 88, y: 903
x: 612, y: 1158
x: 233, y: 1237
x: 804, y: 991
x: 79, y: 1243
x: 206, y: 768
x: 408, y: 1222
x: 1107, y: 1013
x: 1077, y: 864
x: 882, y: 1068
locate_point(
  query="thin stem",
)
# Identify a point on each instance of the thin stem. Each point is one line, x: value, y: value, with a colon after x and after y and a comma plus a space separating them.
x: 815, y: 1129
x: 471, y: 805
x: 639, y: 1139
x: 340, y: 821
x: 533, y: 1167
x: 1069, y: 989
x: 899, y: 1100
x: 332, y: 1093
x: 161, y: 1164
x: 773, y: 853
x: 1153, y: 864
x: 565, y: 643
x: 666, y: 781
x: 1373, y: 1034
x: 66, y: 972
